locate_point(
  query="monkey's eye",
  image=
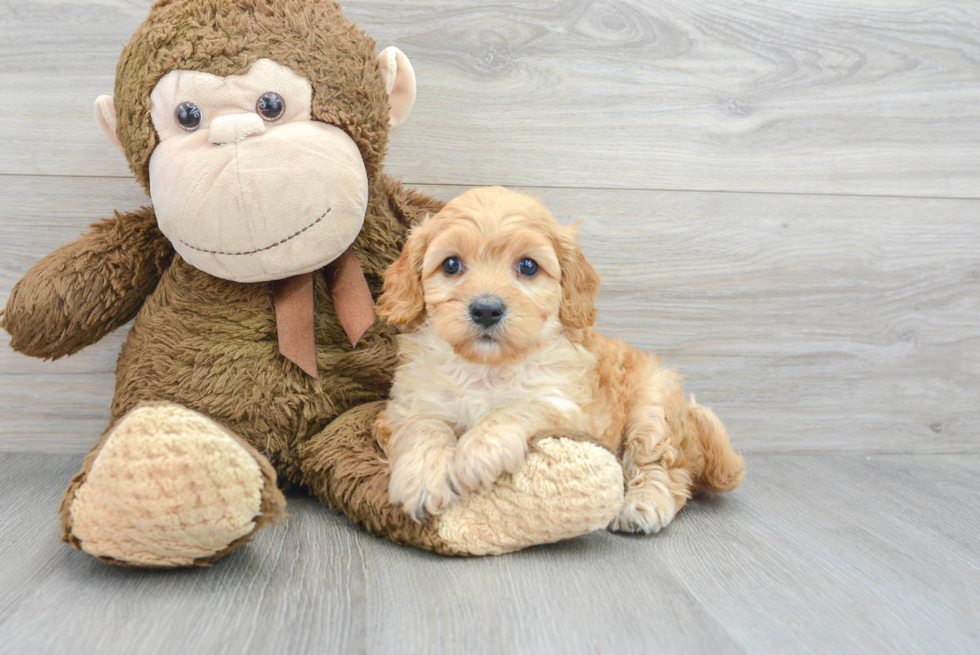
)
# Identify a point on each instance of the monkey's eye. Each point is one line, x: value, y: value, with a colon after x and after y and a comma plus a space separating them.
x: 452, y: 266
x: 188, y: 116
x: 527, y: 267
x: 270, y: 106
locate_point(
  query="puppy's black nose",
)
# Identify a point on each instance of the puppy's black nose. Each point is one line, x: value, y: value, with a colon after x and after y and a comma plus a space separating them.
x: 487, y: 311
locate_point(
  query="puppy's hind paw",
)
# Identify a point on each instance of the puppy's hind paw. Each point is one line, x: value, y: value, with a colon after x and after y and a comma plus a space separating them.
x: 646, y: 511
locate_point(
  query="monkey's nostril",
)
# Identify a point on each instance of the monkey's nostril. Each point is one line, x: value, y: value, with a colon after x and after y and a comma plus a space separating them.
x: 487, y: 311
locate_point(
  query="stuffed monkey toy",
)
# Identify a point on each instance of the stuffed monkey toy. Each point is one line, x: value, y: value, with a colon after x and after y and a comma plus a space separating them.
x: 255, y: 363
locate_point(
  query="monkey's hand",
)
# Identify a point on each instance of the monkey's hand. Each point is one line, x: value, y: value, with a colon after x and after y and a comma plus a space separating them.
x: 88, y: 288
x: 498, y: 444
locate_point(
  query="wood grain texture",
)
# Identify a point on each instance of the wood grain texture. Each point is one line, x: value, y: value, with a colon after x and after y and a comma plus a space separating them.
x: 822, y: 553
x: 583, y: 596
x: 809, y: 320
x: 817, y: 97
x: 806, y: 322
x: 853, y: 551
x: 30, y: 544
x: 295, y: 593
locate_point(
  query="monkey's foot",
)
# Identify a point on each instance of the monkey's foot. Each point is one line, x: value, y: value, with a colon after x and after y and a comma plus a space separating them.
x: 565, y: 489
x: 169, y: 487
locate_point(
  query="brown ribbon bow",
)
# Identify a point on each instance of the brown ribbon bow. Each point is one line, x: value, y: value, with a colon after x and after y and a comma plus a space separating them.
x: 293, y: 298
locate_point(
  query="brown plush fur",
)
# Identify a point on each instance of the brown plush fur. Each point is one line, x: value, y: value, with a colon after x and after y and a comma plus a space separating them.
x: 85, y: 290
x: 210, y: 344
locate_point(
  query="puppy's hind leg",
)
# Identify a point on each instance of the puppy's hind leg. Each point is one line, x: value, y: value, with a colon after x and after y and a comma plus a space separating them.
x: 658, y: 482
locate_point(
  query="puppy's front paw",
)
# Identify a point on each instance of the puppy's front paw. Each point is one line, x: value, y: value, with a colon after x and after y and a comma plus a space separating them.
x: 422, y: 483
x: 647, y: 510
x: 486, y: 453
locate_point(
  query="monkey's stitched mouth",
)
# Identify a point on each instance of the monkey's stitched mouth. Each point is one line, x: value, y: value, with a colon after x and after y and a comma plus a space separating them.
x: 252, y: 252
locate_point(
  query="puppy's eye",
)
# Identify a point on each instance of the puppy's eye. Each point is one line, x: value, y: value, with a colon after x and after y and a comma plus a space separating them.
x: 270, y: 106
x: 452, y: 266
x: 527, y: 267
x: 188, y: 116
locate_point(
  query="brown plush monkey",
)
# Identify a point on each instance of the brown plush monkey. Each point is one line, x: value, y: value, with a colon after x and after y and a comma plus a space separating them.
x: 258, y: 127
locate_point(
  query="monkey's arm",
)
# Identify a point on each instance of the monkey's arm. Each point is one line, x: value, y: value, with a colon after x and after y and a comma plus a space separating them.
x: 88, y: 288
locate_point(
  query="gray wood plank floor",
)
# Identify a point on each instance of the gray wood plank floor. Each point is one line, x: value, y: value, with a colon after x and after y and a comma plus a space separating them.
x: 824, y: 553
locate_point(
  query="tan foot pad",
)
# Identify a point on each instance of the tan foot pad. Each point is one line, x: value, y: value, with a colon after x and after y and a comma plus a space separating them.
x: 169, y: 487
x: 566, y: 489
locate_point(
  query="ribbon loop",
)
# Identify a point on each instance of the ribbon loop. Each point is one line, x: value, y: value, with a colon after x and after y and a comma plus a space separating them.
x: 293, y: 298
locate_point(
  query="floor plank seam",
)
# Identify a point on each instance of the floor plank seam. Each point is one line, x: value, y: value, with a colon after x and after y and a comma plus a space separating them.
x: 625, y: 189
x: 707, y: 611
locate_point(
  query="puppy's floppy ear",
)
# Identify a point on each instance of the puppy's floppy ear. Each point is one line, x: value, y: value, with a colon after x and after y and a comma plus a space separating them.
x: 403, y: 301
x: 579, y: 281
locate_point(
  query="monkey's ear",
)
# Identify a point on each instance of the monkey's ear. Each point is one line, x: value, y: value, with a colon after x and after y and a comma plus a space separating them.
x: 105, y: 116
x: 399, y: 77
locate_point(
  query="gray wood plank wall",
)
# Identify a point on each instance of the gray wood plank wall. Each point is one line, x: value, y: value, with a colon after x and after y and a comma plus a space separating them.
x: 783, y: 198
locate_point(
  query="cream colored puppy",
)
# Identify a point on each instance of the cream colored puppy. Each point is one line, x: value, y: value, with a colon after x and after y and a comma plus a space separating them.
x: 497, y: 301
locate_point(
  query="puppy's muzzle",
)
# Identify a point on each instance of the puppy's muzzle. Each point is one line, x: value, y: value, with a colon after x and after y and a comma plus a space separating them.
x: 487, y: 311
